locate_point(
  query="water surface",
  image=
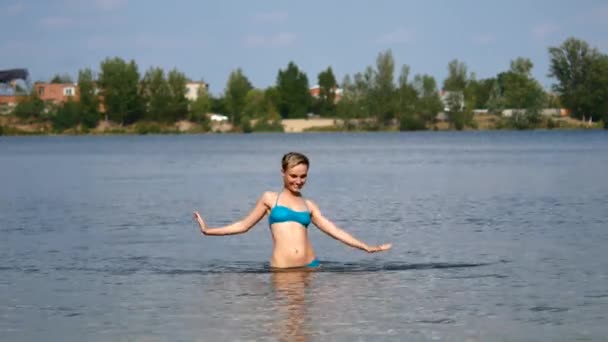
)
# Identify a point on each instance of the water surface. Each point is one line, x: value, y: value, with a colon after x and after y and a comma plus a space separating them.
x: 497, y: 236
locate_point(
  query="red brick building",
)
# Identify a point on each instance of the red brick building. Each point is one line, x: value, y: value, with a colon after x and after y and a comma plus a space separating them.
x: 56, y: 92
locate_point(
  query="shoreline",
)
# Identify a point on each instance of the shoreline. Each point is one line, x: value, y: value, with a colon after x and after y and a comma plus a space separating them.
x: 12, y: 126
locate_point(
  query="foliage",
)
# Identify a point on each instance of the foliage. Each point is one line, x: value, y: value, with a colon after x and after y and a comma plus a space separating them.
x: 63, y: 78
x: 525, y: 119
x: 457, y: 78
x: 32, y: 107
x: 581, y: 75
x: 119, y: 83
x: 428, y: 99
x: 382, y: 90
x: 370, y: 100
x: 406, y: 103
x: 66, y: 116
x: 294, y: 99
x: 481, y: 92
x: 254, y: 104
x: 199, y: 109
x: 598, y: 90
x: 178, y: 103
x: 144, y: 127
x: 88, y: 99
x: 460, y: 96
x: 264, y: 125
x: 518, y: 91
x: 235, y: 95
x: 325, y: 104
x: 218, y: 105
x: 155, y: 94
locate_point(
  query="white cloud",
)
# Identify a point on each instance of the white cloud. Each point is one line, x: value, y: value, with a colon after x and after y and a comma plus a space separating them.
x: 483, y: 38
x: 279, y: 39
x: 56, y: 23
x: 274, y: 17
x: 110, y: 5
x: 543, y: 31
x: 399, y: 36
x: 142, y: 41
x: 13, y: 9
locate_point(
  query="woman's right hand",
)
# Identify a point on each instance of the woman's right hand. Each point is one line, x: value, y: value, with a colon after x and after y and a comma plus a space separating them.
x: 201, y: 223
x: 380, y: 248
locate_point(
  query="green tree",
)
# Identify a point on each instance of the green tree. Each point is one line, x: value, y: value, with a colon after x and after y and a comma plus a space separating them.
x: 347, y: 108
x: 326, y: 103
x: 429, y: 102
x: 235, y: 93
x: 88, y: 99
x: 271, y: 102
x: 383, y: 88
x: 294, y: 92
x: 457, y: 79
x: 254, y: 104
x: 572, y: 65
x: 459, y: 99
x: 67, y: 115
x: 119, y: 83
x: 520, y: 92
x: 481, y: 92
x: 598, y: 94
x: 218, y: 104
x: 62, y: 78
x: 407, y: 98
x: 155, y: 94
x: 32, y: 107
x: 178, y: 102
x: 522, y: 66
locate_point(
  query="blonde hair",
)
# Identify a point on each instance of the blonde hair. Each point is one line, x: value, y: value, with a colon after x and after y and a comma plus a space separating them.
x: 292, y: 159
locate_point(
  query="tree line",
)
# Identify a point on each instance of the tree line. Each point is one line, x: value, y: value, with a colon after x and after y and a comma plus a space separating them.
x: 371, y: 99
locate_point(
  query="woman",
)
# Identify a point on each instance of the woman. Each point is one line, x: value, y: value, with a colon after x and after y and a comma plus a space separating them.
x: 289, y: 215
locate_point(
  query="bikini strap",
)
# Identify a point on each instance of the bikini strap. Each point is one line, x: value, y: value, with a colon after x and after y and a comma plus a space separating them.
x: 305, y: 204
x: 278, y: 195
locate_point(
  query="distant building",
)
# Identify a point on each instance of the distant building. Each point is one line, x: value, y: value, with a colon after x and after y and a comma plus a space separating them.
x: 218, y: 117
x: 8, y: 102
x: 457, y: 95
x: 59, y: 93
x: 547, y: 112
x: 56, y: 92
x: 315, y: 91
x: 192, y: 89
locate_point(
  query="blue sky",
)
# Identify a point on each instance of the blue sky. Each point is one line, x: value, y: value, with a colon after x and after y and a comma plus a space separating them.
x: 208, y: 39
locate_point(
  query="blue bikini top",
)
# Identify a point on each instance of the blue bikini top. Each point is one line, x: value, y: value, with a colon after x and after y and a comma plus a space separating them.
x: 281, y: 213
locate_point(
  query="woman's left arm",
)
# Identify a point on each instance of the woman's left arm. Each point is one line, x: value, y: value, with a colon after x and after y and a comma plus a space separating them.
x: 329, y: 228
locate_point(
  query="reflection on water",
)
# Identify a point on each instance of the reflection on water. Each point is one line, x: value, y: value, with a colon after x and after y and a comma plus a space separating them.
x: 290, y: 289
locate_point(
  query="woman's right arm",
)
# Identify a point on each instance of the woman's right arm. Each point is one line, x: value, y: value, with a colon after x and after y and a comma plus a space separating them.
x: 241, y: 226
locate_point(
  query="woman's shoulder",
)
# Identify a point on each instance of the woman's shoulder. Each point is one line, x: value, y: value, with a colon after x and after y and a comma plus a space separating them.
x: 269, y: 197
x: 310, y: 203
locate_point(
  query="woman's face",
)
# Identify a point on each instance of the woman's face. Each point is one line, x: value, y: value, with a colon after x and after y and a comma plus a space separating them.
x: 294, y: 177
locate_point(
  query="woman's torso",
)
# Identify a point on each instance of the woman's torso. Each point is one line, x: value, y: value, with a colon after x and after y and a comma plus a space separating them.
x: 288, y: 218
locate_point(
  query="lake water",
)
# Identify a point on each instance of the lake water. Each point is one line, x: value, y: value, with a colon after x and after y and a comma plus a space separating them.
x: 497, y: 236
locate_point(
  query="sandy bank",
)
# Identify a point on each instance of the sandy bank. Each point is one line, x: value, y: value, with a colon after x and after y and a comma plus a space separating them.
x: 299, y: 125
